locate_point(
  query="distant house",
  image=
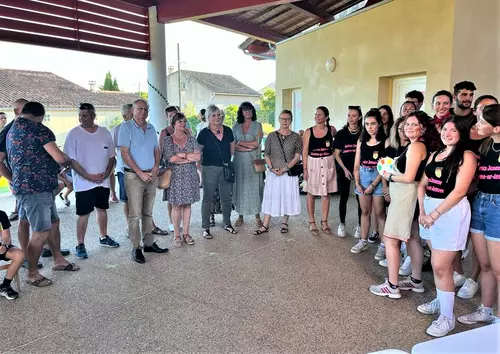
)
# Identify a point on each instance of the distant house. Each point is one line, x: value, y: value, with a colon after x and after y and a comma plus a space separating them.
x: 60, y: 97
x: 202, y: 89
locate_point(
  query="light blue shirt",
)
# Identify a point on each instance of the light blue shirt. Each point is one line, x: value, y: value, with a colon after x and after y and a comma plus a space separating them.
x: 141, y: 144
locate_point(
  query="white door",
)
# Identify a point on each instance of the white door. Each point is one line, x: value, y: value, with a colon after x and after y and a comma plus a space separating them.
x: 401, y: 86
x: 297, y: 109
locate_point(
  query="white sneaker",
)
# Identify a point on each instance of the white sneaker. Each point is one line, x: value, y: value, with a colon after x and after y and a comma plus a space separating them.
x: 357, y: 232
x: 441, y: 327
x: 405, y: 268
x: 429, y: 308
x: 468, y: 290
x: 359, y: 247
x: 383, y: 263
x: 380, y: 255
x: 465, y: 254
x: 408, y: 284
x: 459, y: 279
x: 385, y: 290
x: 480, y: 315
x: 341, y: 230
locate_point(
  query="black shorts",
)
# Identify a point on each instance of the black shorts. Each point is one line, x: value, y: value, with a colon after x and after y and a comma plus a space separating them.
x: 4, y: 220
x: 86, y: 201
x: 4, y: 258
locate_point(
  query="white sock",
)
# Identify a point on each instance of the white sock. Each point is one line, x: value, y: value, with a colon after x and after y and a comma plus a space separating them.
x: 446, y: 302
x: 488, y: 310
x: 403, y: 246
x: 382, y: 245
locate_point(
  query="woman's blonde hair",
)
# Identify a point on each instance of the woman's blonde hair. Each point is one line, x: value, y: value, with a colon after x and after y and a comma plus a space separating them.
x: 394, y: 138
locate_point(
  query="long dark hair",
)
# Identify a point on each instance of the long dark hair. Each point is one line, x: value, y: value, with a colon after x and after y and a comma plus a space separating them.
x: 357, y: 109
x: 245, y: 106
x: 423, y: 120
x: 491, y: 114
x: 456, y: 158
x: 390, y: 123
x: 365, y: 136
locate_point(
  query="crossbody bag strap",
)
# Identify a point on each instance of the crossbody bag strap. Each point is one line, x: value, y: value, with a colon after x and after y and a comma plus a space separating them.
x: 217, y: 145
x: 282, y: 148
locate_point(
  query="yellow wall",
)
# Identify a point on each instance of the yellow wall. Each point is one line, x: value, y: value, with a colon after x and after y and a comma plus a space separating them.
x: 397, y: 38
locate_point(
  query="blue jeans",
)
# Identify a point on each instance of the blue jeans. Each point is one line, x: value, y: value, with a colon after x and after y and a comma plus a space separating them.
x: 366, y: 176
x: 40, y: 210
x: 486, y: 216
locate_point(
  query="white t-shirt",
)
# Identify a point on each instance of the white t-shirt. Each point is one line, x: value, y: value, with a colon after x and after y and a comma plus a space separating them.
x: 92, y: 151
x: 119, y: 160
x: 200, y: 127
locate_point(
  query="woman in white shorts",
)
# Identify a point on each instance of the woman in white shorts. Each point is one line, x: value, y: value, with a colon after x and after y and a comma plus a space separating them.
x: 445, y: 217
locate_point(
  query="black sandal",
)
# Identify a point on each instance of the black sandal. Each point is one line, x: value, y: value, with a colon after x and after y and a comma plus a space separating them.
x: 284, y: 230
x: 230, y: 229
x: 260, y: 231
x: 207, y: 234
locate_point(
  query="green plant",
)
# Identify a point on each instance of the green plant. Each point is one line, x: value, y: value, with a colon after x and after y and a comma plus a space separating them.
x: 267, y: 111
x: 110, y: 84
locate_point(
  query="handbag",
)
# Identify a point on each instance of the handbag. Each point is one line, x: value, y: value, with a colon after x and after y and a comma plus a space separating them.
x: 227, y: 167
x: 164, y: 179
x: 295, y: 170
x: 259, y: 165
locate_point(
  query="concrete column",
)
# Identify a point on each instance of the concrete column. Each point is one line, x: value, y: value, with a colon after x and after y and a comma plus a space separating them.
x: 157, y: 71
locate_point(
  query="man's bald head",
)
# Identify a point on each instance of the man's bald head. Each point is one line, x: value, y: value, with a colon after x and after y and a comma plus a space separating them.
x: 18, y: 106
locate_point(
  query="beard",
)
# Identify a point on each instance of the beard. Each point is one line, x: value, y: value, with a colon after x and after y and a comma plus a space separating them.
x: 464, y: 104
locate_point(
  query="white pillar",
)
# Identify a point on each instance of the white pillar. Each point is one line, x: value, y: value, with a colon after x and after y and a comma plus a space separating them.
x: 157, y: 71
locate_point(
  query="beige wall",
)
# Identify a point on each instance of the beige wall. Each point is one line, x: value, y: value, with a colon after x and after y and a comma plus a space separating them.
x: 400, y: 37
x: 476, y: 45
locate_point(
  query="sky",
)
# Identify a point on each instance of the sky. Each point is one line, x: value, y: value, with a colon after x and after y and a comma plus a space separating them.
x: 202, y: 48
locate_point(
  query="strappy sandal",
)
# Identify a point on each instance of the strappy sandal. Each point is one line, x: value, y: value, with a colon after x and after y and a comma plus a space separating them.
x: 230, y: 229
x: 238, y: 222
x: 314, y: 230
x: 284, y: 230
x: 177, y: 241
x: 188, y: 239
x: 260, y: 231
x: 326, y: 229
x: 207, y: 234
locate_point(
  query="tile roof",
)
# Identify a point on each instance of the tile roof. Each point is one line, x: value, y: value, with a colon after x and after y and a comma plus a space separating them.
x: 219, y: 83
x: 54, y: 91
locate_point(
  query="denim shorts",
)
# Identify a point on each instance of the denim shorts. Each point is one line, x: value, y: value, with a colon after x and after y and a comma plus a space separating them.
x: 40, y: 210
x: 366, y: 176
x: 121, y: 184
x: 486, y: 216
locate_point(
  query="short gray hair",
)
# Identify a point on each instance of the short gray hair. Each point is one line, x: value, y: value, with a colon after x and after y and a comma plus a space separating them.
x: 125, y: 108
x: 141, y: 100
x: 222, y: 114
x: 211, y: 109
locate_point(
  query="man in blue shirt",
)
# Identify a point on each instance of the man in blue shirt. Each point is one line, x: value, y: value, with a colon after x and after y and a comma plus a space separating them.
x: 34, y: 159
x: 141, y: 160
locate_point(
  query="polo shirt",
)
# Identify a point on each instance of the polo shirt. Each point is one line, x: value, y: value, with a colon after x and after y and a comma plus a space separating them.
x: 141, y: 144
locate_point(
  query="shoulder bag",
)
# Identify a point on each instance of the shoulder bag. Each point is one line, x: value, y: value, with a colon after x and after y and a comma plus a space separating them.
x: 259, y: 165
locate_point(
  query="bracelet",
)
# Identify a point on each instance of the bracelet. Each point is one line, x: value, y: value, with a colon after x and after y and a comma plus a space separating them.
x: 371, y: 185
x: 390, y: 178
x: 438, y: 212
x: 432, y: 217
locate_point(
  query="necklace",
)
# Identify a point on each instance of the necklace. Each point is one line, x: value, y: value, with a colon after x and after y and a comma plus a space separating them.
x: 215, y: 130
x: 493, y: 147
x: 353, y: 132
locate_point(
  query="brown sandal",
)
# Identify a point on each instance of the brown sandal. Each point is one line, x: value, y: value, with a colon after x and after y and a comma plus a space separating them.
x: 327, y: 229
x: 314, y: 230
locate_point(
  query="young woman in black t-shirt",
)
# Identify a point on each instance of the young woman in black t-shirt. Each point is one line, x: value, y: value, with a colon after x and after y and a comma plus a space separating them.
x: 445, y: 217
x: 369, y: 185
x: 485, y: 222
x: 345, y: 152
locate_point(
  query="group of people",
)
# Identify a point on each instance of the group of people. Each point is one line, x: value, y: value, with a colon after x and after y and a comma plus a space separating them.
x: 440, y: 192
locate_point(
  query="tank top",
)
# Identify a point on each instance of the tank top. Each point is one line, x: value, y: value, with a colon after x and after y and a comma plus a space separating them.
x: 371, y: 154
x: 401, y: 164
x: 440, y: 183
x: 320, y: 147
x: 489, y: 171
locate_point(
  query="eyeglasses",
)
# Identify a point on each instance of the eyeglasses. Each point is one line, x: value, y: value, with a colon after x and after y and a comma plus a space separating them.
x: 142, y: 108
x: 285, y: 119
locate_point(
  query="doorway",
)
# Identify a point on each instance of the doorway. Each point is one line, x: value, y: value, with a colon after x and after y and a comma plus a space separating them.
x: 297, y: 109
x: 401, y: 86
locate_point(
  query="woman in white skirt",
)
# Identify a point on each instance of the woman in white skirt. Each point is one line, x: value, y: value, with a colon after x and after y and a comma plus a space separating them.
x: 401, y: 224
x: 281, y: 191
x: 319, y: 168
x: 445, y: 217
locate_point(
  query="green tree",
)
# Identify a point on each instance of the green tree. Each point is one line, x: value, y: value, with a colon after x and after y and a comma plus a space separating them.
x: 267, y: 110
x: 142, y: 94
x: 110, y: 84
x: 115, y: 122
x: 231, y: 115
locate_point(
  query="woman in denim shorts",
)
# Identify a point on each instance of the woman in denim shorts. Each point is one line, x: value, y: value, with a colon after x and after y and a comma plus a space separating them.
x: 369, y: 185
x: 485, y: 222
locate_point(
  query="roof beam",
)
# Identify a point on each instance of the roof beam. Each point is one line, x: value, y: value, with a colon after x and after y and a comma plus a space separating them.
x: 248, y: 29
x: 175, y: 10
x: 312, y: 11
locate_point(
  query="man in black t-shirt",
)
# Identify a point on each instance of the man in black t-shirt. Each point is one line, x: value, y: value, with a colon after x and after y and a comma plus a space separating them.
x: 9, y: 253
x: 463, y: 95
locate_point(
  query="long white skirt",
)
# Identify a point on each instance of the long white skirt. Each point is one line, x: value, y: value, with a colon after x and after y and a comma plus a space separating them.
x: 281, y: 195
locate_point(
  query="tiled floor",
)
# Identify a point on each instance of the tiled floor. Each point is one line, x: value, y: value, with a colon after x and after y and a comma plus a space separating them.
x: 272, y: 293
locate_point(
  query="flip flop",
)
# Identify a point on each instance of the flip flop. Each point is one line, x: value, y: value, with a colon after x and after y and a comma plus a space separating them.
x: 70, y: 267
x: 40, y: 283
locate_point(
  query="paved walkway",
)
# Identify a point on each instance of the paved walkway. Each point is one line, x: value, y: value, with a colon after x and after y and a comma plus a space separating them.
x: 236, y: 293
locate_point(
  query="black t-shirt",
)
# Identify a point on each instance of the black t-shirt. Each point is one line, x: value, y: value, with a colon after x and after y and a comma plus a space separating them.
x: 346, y: 142
x: 371, y: 154
x: 489, y: 171
x: 211, y: 155
x: 4, y: 221
x: 3, y: 143
x: 401, y: 164
x: 440, y: 183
